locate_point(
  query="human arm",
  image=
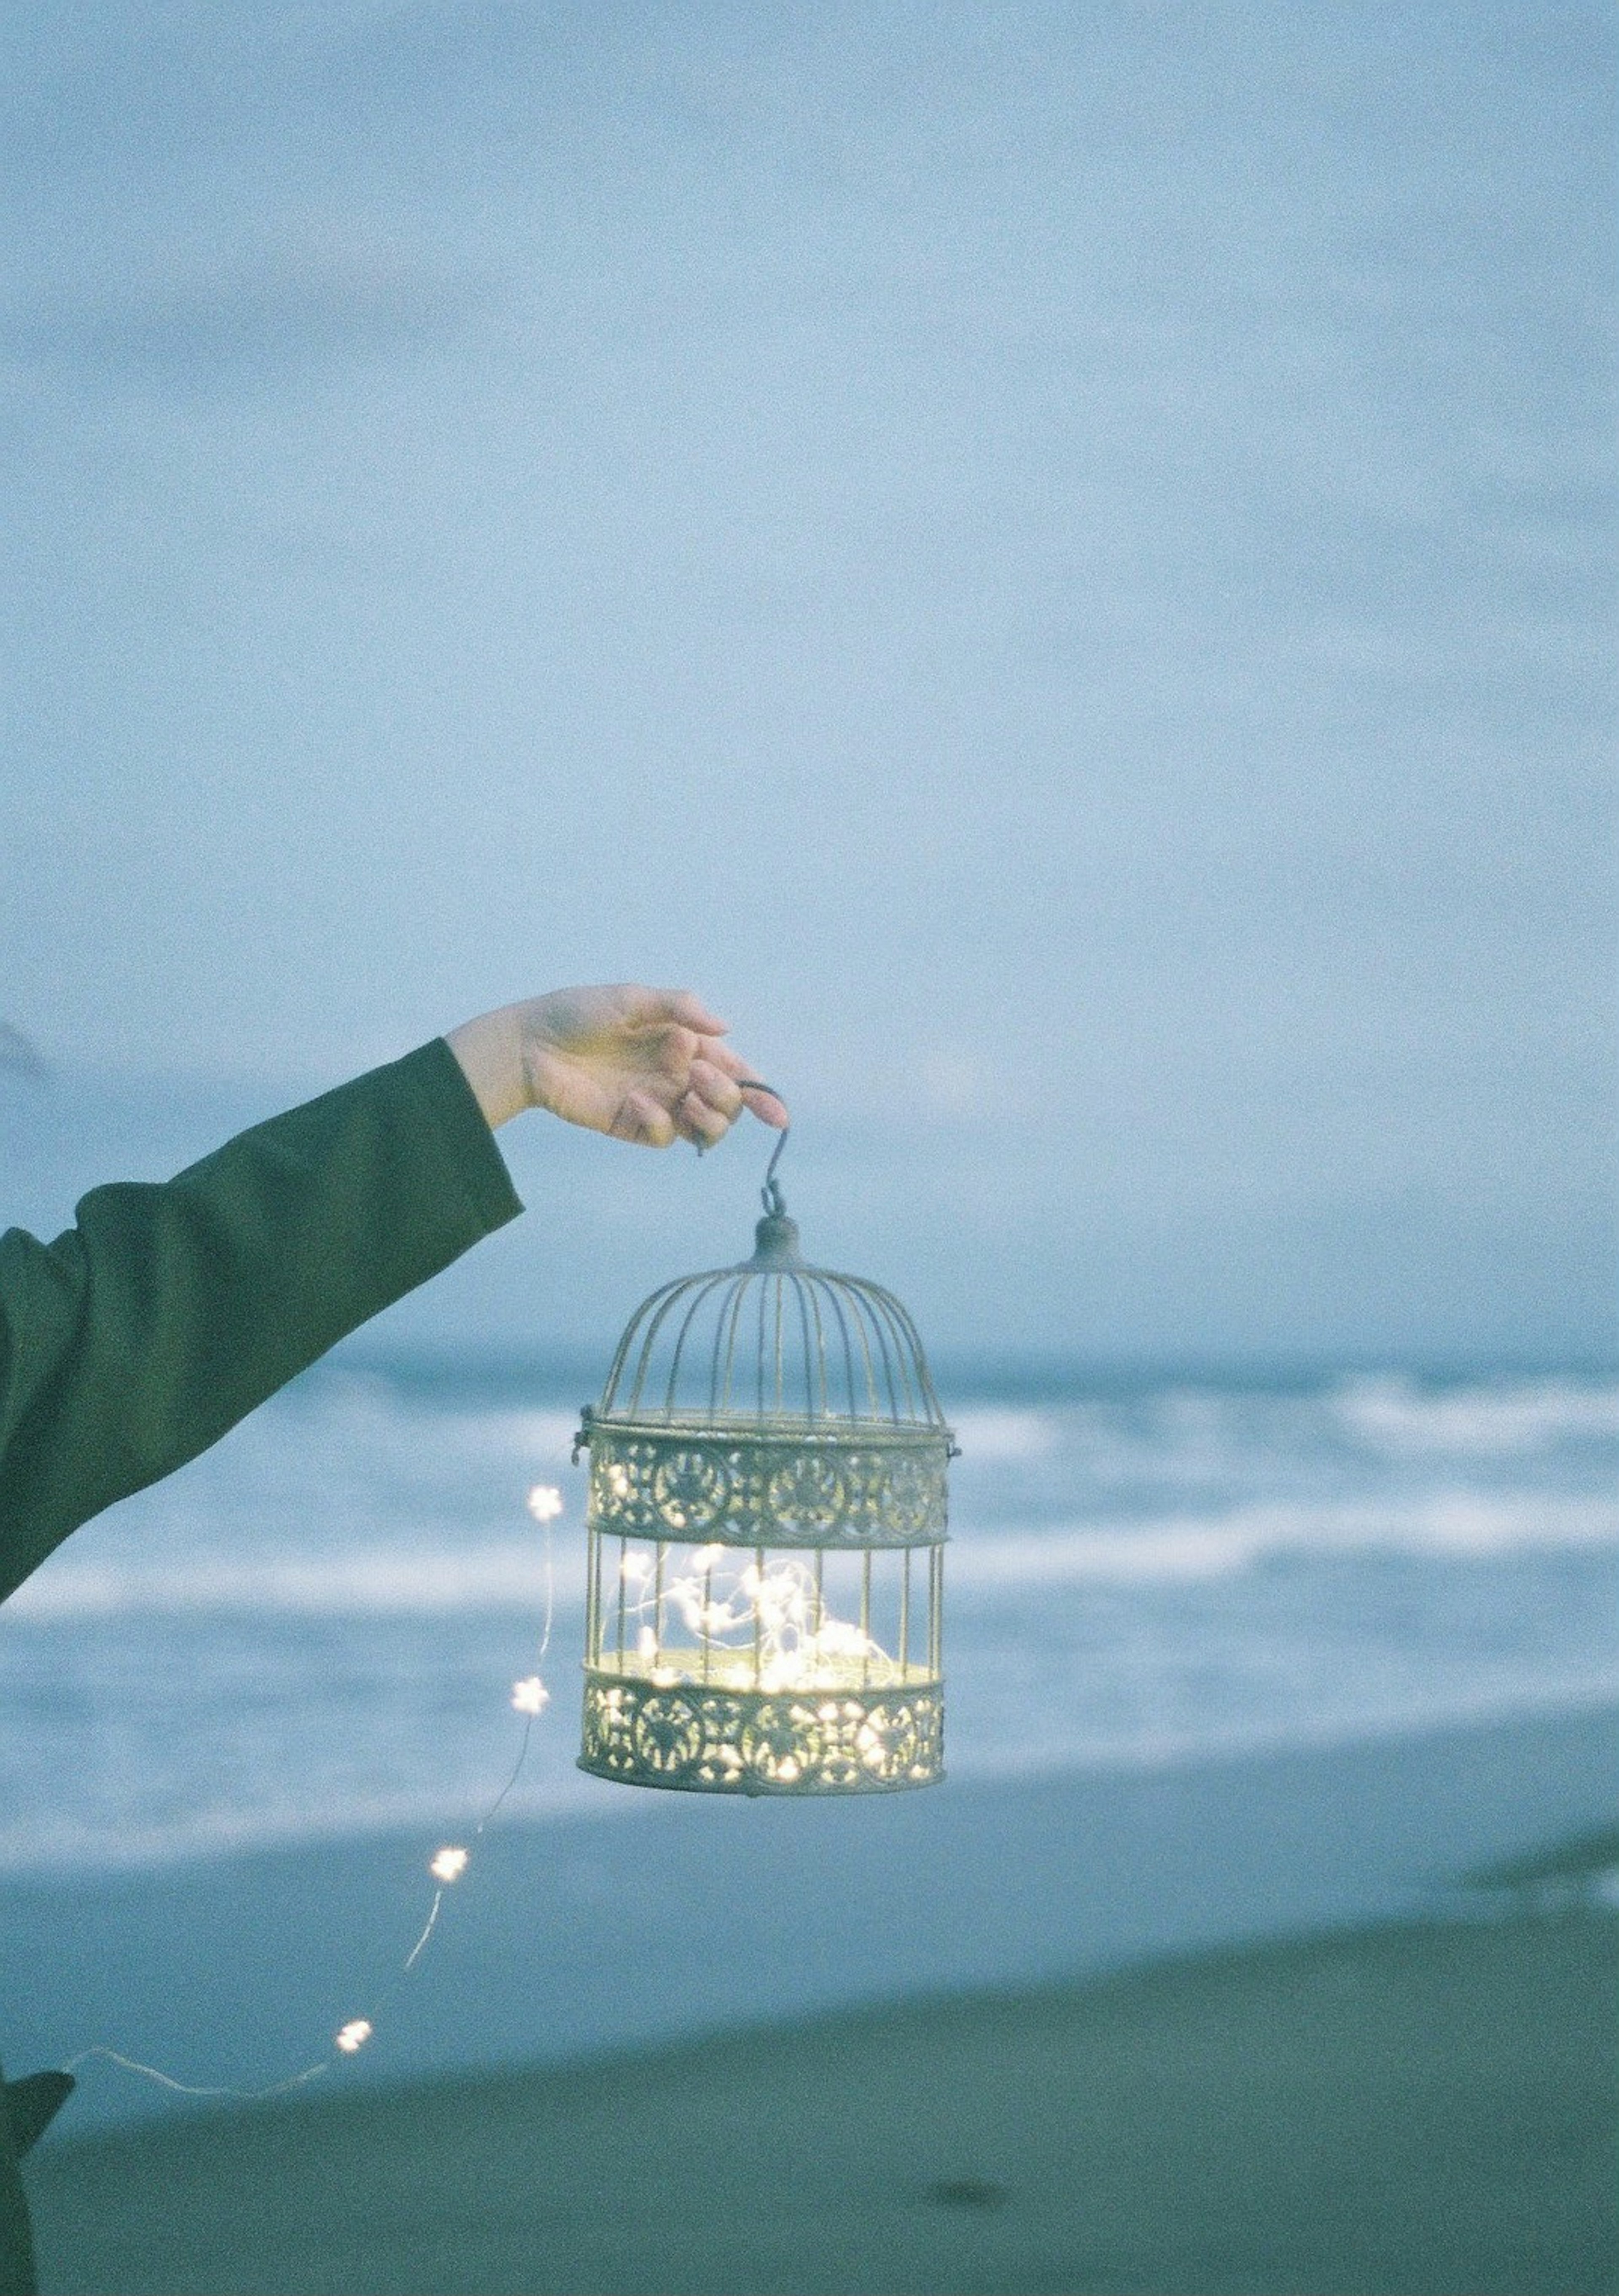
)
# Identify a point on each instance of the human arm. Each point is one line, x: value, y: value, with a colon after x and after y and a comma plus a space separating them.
x: 166, y: 1313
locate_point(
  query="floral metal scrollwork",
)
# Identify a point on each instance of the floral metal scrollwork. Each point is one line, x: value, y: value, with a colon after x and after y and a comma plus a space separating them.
x: 828, y: 1495
x: 749, y: 1742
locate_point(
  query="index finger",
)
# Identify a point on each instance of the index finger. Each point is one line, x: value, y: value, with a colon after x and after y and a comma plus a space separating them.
x: 768, y: 1106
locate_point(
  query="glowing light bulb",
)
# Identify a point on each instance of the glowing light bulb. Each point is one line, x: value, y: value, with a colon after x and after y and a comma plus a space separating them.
x: 530, y: 1696
x: 704, y: 1558
x: 544, y: 1503
x: 449, y: 1866
x: 635, y: 1568
x: 353, y: 2034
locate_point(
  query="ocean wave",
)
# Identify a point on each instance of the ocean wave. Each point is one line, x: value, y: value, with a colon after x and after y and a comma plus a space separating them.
x: 375, y: 1583
x: 1496, y: 1421
x: 61, y: 1840
x: 987, y: 1434
x: 1388, y: 1416
x: 380, y: 1582
x: 1462, y: 1527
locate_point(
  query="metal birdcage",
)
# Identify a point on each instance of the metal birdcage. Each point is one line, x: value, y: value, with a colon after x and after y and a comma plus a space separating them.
x: 767, y: 1532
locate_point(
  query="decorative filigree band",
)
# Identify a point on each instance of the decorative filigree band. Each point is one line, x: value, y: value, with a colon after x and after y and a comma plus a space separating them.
x: 757, y: 1492
x: 762, y: 1741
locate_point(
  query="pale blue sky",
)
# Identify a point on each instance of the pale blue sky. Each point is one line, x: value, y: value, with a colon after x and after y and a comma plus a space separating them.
x: 1054, y: 561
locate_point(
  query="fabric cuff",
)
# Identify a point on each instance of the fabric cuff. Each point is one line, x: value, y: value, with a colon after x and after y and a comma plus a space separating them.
x: 436, y: 1077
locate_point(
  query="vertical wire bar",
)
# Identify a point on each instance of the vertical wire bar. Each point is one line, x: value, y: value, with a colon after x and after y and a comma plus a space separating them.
x: 758, y: 1626
x: 803, y: 1292
x: 610, y: 1393
x: 781, y: 1386
x: 658, y: 1606
x: 858, y: 1312
x: 865, y: 1618
x: 758, y: 1384
x: 856, y: 1412
x: 654, y: 1312
x: 907, y: 1354
x: 624, y: 1557
x: 820, y: 1599
x: 887, y: 1328
x: 593, y: 1597
x: 905, y: 1620
x: 935, y: 1591
x: 724, y: 1339
x: 701, y: 1288
x: 820, y: 1403
x: 881, y: 1329
x: 911, y: 1352
x: 707, y: 1639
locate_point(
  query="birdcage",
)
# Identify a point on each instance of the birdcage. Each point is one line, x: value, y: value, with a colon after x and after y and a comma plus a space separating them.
x: 767, y: 1530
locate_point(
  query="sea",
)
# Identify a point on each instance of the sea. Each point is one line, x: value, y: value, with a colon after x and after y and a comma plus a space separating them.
x: 314, y: 1631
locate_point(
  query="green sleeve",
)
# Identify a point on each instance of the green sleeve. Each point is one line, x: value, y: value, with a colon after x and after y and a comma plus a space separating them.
x: 166, y: 1313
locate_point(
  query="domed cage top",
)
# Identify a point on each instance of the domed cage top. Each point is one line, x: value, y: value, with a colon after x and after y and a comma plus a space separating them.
x: 768, y: 1519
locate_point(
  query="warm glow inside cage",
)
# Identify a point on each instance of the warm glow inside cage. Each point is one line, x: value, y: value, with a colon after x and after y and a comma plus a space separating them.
x: 767, y: 1536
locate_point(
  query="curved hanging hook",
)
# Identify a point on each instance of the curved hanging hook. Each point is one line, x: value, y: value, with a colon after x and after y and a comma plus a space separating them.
x: 774, y: 1201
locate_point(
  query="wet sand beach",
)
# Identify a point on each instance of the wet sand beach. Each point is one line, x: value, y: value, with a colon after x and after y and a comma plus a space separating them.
x: 1416, y: 2106
x: 654, y: 1919
x: 1225, y: 2024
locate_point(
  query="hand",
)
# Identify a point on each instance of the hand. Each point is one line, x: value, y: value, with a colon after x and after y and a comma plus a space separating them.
x: 643, y: 1064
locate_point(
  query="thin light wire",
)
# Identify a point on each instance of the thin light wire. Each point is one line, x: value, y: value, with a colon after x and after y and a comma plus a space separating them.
x: 297, y: 2080
x: 529, y: 1720
x: 187, y: 2089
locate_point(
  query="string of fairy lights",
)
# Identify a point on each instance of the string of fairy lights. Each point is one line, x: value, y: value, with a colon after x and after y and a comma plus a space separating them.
x: 447, y: 1866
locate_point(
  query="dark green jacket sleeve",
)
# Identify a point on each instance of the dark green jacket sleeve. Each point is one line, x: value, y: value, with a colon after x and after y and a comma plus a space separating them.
x: 135, y: 1340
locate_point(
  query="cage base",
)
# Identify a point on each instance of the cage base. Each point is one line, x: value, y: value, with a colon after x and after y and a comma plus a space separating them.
x: 698, y: 1741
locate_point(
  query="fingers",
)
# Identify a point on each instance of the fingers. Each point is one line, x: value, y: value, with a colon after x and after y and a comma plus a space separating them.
x: 703, y: 1126
x: 720, y: 1095
x: 717, y: 1091
x: 645, y: 1008
x: 641, y: 1119
x: 648, y: 1065
x: 703, y: 1113
x: 759, y: 1099
x: 767, y: 1106
x: 692, y: 1013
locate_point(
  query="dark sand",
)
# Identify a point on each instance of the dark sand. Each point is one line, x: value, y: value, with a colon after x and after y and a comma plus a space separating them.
x: 1423, y: 2106
x: 666, y: 1917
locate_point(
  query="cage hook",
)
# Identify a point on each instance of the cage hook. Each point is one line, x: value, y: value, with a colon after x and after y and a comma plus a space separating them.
x: 774, y: 1201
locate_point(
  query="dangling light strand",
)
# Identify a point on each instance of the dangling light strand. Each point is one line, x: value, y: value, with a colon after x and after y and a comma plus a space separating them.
x: 529, y: 1698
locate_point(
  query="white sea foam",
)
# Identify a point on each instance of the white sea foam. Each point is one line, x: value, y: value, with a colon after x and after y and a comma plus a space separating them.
x: 1501, y: 1420
x: 383, y: 1582
x: 61, y: 1839
x: 990, y: 1435
x: 1462, y: 1527
x: 369, y: 1583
